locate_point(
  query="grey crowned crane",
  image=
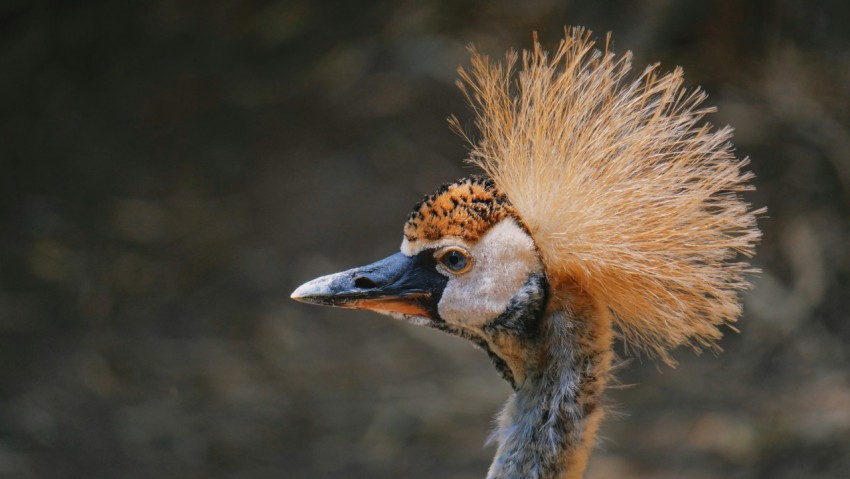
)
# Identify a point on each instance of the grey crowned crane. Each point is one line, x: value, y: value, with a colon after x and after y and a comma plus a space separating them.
x: 607, y: 207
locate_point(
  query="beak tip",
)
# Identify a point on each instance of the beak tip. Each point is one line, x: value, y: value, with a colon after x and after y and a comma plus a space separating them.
x: 310, y: 290
x: 302, y: 292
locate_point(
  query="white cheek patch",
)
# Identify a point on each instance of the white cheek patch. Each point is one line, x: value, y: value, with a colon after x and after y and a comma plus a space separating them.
x: 503, y: 259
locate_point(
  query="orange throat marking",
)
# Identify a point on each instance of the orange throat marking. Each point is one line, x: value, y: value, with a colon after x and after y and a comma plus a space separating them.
x: 407, y: 304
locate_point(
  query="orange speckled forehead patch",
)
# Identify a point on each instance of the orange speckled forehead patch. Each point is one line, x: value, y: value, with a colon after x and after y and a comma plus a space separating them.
x: 466, y: 208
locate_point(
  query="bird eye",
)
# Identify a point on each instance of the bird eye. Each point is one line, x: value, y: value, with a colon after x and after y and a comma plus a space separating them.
x: 455, y: 260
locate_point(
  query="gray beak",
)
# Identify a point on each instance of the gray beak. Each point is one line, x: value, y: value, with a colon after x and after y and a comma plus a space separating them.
x: 396, y: 284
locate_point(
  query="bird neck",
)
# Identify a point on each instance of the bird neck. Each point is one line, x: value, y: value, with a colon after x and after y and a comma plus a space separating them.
x: 548, y: 426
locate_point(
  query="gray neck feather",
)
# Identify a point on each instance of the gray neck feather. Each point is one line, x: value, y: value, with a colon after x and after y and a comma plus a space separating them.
x: 543, y: 418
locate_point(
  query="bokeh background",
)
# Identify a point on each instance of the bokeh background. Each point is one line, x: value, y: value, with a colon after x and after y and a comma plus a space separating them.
x: 172, y: 170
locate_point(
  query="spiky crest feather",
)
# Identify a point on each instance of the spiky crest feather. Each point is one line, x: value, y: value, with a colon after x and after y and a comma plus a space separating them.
x: 628, y: 194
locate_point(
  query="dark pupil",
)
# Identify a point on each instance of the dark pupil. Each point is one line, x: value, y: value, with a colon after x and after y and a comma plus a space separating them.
x: 455, y: 260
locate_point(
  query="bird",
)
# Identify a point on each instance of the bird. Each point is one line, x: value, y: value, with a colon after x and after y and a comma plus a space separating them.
x: 607, y: 208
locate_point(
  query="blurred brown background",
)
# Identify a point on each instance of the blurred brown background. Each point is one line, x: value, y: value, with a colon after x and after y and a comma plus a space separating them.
x: 172, y: 170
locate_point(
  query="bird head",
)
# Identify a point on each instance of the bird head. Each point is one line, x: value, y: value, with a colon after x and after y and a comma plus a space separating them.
x: 604, y: 198
x: 467, y: 266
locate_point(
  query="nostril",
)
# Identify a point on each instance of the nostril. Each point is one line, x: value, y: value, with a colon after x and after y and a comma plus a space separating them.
x: 363, y: 282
